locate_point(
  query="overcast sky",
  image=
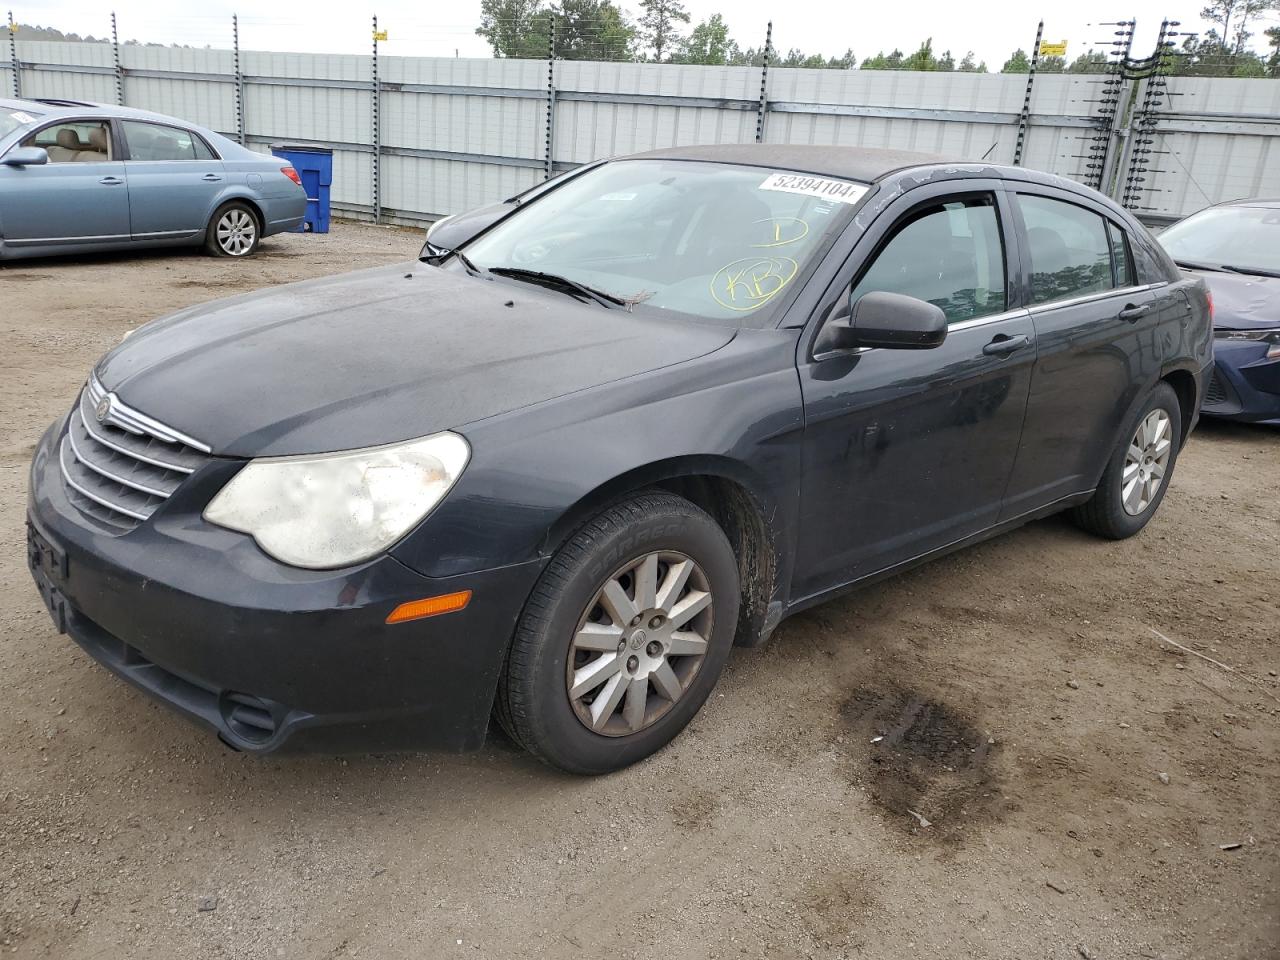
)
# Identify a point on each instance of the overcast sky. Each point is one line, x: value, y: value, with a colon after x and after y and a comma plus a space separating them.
x: 991, y: 29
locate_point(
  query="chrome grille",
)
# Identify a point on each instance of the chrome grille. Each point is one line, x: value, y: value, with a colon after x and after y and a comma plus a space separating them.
x: 119, y: 465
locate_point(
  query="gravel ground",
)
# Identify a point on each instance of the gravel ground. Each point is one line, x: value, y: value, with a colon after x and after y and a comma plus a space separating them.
x: 1080, y: 778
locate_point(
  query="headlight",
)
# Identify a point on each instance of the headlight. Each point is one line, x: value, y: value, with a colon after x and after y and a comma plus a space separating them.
x: 1270, y: 337
x: 337, y: 509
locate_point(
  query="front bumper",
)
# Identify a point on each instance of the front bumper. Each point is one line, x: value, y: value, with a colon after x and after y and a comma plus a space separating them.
x: 269, y: 656
x: 1245, y: 384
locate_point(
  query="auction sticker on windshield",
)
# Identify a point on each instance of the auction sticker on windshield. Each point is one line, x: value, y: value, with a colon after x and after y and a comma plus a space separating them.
x: 23, y: 117
x: 841, y: 191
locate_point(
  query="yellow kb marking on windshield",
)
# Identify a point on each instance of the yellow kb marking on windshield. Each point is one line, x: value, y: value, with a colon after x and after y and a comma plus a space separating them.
x: 751, y: 282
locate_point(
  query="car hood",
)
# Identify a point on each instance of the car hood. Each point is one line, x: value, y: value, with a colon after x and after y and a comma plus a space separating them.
x: 1242, y: 302
x: 379, y: 356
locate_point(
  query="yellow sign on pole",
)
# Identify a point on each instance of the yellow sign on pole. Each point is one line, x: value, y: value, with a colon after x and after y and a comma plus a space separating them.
x: 380, y: 35
x: 1053, y: 49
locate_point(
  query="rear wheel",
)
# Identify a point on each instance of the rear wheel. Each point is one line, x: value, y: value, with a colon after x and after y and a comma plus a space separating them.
x: 1137, y: 476
x: 233, y: 231
x: 623, y: 637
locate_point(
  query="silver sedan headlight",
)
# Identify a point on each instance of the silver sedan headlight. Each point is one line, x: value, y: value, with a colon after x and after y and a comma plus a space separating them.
x: 336, y: 509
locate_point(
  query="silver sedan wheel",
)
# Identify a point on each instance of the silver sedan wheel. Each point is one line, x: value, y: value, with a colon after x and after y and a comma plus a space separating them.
x: 1146, y: 462
x: 236, y: 231
x: 639, y: 644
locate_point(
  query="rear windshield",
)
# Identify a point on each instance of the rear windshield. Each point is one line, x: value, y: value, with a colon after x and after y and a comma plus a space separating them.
x: 11, y: 120
x: 708, y: 240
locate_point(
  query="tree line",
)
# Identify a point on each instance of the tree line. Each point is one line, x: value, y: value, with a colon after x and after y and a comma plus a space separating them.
x: 663, y: 32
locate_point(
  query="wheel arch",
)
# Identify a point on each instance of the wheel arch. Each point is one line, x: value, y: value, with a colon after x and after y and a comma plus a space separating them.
x: 1184, y: 385
x: 734, y: 497
x: 242, y: 197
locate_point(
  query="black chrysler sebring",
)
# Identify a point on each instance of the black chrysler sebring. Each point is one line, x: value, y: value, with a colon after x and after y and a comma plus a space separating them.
x: 553, y: 471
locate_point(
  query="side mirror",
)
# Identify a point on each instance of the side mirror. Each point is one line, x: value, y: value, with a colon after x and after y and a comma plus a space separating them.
x: 889, y: 320
x: 26, y: 157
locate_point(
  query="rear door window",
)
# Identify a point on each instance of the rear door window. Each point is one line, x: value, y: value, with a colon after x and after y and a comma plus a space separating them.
x: 949, y: 254
x: 1069, y: 247
x: 1121, y: 269
x: 155, y: 141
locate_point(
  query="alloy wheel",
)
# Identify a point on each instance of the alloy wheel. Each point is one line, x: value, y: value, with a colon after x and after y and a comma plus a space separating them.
x: 236, y: 231
x: 1146, y: 461
x: 639, y: 644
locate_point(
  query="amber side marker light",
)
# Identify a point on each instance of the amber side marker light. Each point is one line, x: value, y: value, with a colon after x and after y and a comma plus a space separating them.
x: 430, y: 607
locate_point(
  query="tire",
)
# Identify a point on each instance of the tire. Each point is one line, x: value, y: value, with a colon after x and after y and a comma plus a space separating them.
x: 234, y: 231
x: 1107, y: 514
x: 571, y: 623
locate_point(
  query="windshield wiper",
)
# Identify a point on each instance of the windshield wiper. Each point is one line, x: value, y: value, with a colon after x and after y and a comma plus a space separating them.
x: 1249, y: 271
x: 1192, y: 265
x: 555, y: 282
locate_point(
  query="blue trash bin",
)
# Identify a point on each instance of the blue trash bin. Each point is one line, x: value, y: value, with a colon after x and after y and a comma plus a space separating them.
x: 315, y: 168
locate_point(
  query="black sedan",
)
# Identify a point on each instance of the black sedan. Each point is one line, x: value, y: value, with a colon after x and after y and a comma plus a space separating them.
x: 1235, y: 247
x: 555, y: 472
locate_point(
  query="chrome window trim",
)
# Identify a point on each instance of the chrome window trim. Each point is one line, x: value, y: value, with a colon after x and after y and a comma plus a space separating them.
x: 1089, y: 297
x: 970, y: 324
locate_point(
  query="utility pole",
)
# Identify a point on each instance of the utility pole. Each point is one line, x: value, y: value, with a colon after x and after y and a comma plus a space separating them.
x: 763, y: 109
x: 115, y: 50
x: 1024, y: 119
x: 235, y: 41
x: 377, y: 130
x: 13, y: 57
x: 548, y: 165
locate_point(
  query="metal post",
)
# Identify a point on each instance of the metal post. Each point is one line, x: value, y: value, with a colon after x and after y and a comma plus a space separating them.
x: 13, y: 57
x: 1024, y: 119
x: 377, y: 131
x: 763, y: 109
x: 548, y: 165
x: 115, y: 50
x: 235, y: 41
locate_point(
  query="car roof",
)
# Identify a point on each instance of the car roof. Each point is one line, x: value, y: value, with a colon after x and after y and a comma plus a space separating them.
x: 851, y: 163
x: 1265, y: 203
x: 53, y: 108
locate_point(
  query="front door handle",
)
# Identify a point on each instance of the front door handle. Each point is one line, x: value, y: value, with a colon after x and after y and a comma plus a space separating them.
x: 111, y: 181
x: 211, y: 178
x: 1132, y: 312
x: 1003, y: 345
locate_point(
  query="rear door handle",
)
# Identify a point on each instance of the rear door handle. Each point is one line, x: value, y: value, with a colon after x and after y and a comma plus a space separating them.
x: 211, y: 177
x: 1003, y: 345
x: 111, y: 181
x: 1132, y: 312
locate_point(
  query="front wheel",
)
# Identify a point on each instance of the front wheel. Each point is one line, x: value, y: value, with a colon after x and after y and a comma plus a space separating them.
x: 623, y: 637
x: 233, y: 231
x: 1138, y: 473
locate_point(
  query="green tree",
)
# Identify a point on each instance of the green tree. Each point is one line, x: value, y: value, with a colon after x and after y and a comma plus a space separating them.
x: 592, y: 30
x: 846, y: 61
x: 967, y: 64
x: 882, y: 62
x: 922, y: 59
x: 1273, y: 40
x: 708, y: 43
x: 1233, y: 17
x: 659, y: 26
x: 514, y: 28
x: 1091, y: 62
x: 1018, y: 63
x: 1052, y: 65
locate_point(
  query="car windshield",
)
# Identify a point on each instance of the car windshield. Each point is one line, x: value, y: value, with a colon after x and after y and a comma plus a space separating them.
x: 1241, y: 238
x: 11, y: 120
x: 710, y: 240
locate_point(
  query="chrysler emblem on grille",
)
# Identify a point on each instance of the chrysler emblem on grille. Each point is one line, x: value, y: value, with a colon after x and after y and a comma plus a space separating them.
x: 103, y: 409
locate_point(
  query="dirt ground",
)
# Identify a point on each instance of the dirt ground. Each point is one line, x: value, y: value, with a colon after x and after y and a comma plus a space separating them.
x: 1028, y: 713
